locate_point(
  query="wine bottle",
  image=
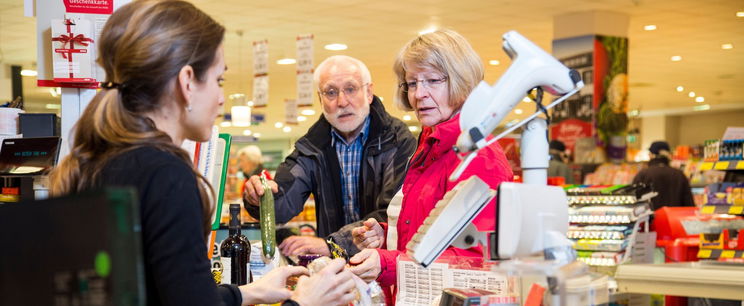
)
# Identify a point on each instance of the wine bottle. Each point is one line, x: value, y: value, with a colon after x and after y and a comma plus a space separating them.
x: 235, y: 252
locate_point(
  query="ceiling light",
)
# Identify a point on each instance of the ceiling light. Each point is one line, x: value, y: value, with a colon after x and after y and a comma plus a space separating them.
x: 680, y: 89
x: 406, y: 117
x: 55, y: 91
x: 247, y: 132
x: 53, y: 106
x: 241, y: 115
x: 518, y: 111
x: 634, y: 113
x: 676, y: 58
x: 413, y: 128
x: 724, y: 47
x: 428, y: 30
x: 381, y: 99
x: 301, y: 118
x: 236, y: 96
x: 308, y: 112
x: 701, y: 107
x: 287, y: 129
x: 257, y: 135
x: 286, y: 61
x: 336, y: 47
x: 700, y: 99
x: 250, y: 103
x: 494, y: 62
x: 649, y: 27
x: 691, y: 94
x: 278, y: 125
x: 225, y: 124
x: 526, y: 100
x: 739, y: 14
x: 29, y: 73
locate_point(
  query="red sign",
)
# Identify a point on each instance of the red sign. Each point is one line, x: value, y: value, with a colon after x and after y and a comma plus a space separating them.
x: 90, y: 6
x: 569, y: 130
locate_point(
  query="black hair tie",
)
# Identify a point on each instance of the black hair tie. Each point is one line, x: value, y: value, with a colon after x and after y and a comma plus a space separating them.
x: 111, y: 85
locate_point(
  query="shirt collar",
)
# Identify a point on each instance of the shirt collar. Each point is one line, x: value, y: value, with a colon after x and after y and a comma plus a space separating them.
x: 335, y: 136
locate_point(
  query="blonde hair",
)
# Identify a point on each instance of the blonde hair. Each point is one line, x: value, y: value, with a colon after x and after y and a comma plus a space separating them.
x: 252, y: 153
x: 445, y: 51
x: 143, y: 47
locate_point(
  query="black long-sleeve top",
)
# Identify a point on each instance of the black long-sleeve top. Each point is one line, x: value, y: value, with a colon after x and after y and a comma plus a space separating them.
x: 177, y: 270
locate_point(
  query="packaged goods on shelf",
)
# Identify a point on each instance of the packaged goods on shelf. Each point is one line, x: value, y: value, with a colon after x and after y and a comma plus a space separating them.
x: 599, y: 232
x: 731, y: 149
x: 601, y: 245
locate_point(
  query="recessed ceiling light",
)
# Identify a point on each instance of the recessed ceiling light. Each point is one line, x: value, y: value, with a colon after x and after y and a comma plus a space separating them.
x: 257, y: 135
x: 676, y: 58
x: 739, y: 14
x: 250, y: 103
x: 649, y: 27
x: 301, y: 118
x: 247, y: 132
x: 336, y: 47
x: 680, y: 89
x: 699, y: 99
x: 278, y: 125
x: 413, y: 128
x: 308, y: 112
x: 406, y: 117
x: 286, y: 61
x: 727, y: 46
x: 29, y: 73
x: 518, y: 111
x: 225, y: 124
x: 53, y: 106
x: 526, y: 100
x: 287, y: 129
x: 701, y: 107
x: 427, y: 30
x: 691, y: 94
x: 494, y: 62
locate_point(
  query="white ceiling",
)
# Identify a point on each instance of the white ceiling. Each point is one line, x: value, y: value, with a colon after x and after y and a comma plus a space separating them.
x: 375, y: 31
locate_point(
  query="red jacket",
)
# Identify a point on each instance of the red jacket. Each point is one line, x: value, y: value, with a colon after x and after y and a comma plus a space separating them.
x: 427, y: 181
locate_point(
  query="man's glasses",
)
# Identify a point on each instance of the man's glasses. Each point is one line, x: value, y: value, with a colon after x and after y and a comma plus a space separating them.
x: 332, y: 93
x: 427, y: 83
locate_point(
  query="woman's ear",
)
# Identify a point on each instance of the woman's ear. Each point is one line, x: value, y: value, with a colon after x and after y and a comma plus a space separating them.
x: 186, y: 79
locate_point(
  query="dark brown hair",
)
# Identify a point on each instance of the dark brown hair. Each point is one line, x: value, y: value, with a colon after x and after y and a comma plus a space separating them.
x: 143, y: 47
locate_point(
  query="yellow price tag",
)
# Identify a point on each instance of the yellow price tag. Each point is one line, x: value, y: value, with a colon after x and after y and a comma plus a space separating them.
x: 708, y: 209
x: 706, y: 166
x: 740, y: 165
x: 722, y: 165
x: 728, y: 254
x: 736, y: 210
x: 704, y: 253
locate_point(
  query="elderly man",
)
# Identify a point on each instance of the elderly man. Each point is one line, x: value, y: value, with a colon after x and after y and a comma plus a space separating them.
x: 353, y: 160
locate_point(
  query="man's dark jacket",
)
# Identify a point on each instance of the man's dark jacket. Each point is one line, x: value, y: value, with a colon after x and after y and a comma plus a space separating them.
x: 671, y: 184
x: 313, y: 167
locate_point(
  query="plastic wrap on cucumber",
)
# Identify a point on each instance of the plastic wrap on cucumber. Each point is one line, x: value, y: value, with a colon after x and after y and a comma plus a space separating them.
x: 268, y: 221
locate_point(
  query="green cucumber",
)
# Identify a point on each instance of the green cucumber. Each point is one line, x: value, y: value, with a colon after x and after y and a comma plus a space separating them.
x: 268, y: 221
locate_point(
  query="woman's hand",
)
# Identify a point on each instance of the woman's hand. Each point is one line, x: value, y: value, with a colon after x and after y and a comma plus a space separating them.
x: 271, y: 288
x: 369, y: 236
x: 366, y: 265
x: 333, y: 285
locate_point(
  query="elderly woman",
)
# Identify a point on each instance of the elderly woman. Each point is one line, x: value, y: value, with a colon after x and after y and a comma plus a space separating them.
x: 436, y: 72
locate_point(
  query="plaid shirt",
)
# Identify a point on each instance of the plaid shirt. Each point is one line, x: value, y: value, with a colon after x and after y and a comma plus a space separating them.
x: 350, y: 159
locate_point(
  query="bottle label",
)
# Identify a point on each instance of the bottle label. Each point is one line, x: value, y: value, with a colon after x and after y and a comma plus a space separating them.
x: 226, y: 270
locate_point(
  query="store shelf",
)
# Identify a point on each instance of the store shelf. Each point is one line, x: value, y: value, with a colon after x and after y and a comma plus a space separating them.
x: 693, y: 279
x: 723, y: 165
x: 722, y: 209
x: 720, y: 254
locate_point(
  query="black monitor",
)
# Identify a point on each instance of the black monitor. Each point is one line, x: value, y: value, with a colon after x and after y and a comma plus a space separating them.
x: 76, y: 250
x: 28, y: 156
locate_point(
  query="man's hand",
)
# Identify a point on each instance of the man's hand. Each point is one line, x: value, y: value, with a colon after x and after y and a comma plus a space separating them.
x: 271, y: 288
x: 301, y: 245
x: 333, y: 285
x: 253, y: 189
x: 366, y: 265
x: 369, y: 236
